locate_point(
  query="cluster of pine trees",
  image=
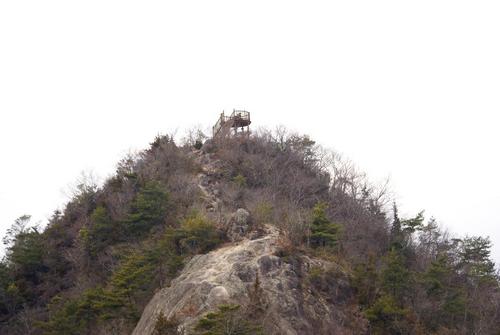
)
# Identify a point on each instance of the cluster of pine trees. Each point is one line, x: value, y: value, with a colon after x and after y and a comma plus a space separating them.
x: 427, y: 283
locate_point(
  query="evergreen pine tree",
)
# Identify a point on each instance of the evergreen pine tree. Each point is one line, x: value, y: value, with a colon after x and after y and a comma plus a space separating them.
x: 324, y: 233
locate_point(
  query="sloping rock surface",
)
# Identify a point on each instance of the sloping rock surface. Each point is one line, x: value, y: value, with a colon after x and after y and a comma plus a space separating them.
x: 294, y: 305
x: 226, y: 276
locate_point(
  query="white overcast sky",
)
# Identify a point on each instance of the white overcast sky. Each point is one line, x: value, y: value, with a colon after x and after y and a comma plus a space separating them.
x: 406, y: 89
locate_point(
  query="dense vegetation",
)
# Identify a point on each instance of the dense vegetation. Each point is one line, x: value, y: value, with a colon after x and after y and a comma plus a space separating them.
x: 97, y: 263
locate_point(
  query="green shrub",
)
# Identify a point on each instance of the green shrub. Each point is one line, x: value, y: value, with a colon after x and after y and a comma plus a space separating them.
x: 263, y: 213
x: 164, y: 326
x: 64, y: 321
x: 227, y: 320
x: 80, y: 315
x: 365, y: 280
x: 386, y: 317
x: 316, y: 276
x: 198, y: 144
x: 195, y: 235
x: 240, y: 180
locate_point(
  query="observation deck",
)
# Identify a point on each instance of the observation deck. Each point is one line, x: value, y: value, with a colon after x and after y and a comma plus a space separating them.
x: 238, y: 123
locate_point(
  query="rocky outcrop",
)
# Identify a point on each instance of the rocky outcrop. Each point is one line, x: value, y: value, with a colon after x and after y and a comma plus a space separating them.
x: 298, y: 294
x: 228, y: 274
x: 238, y: 225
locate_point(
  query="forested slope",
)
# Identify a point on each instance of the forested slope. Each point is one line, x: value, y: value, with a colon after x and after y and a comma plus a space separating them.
x: 335, y: 240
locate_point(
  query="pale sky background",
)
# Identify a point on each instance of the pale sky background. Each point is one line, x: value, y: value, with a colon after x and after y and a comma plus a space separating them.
x: 405, y: 89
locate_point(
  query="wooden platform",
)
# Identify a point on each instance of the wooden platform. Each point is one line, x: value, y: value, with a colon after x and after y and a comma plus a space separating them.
x: 236, y: 123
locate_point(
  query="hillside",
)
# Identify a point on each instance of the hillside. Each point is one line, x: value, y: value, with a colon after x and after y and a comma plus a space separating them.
x: 267, y: 234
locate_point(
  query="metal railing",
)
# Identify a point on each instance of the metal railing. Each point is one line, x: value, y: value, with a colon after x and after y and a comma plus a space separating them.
x: 240, y: 114
x: 236, y: 117
x: 218, y: 125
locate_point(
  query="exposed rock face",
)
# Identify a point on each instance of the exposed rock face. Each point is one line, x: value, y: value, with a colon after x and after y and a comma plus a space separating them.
x: 293, y: 301
x: 238, y: 225
x: 226, y: 276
